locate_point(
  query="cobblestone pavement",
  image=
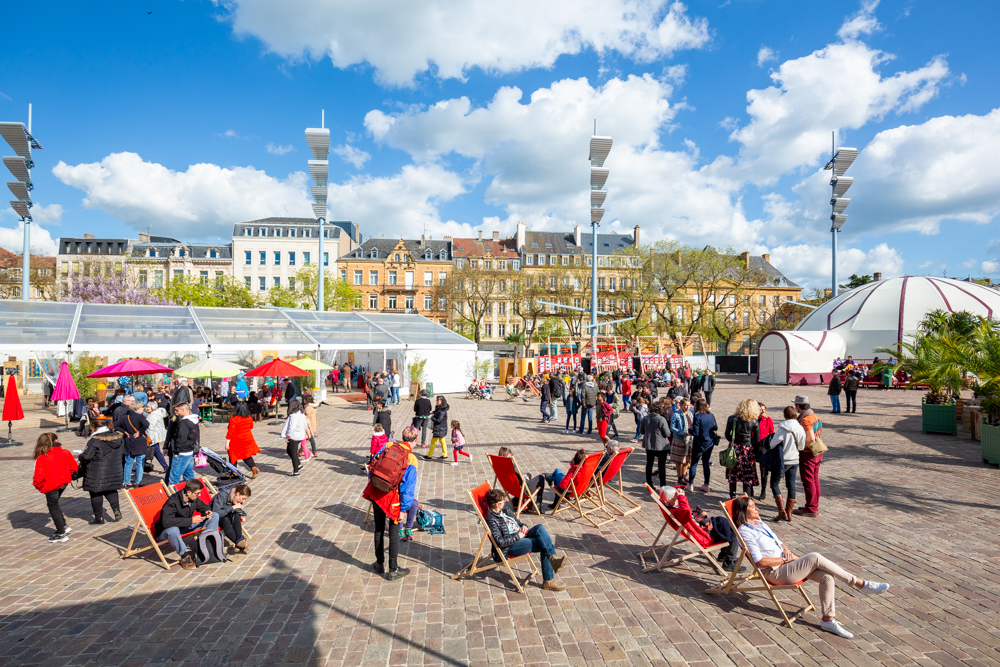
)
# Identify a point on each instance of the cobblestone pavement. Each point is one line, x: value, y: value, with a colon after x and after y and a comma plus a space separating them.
x: 919, y: 511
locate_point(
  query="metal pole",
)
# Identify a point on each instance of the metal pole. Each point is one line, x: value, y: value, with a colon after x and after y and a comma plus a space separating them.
x: 26, y: 250
x: 833, y: 230
x: 321, y: 284
x: 593, y: 302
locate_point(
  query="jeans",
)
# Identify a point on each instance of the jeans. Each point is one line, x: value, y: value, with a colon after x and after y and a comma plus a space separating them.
x: 137, y: 462
x: 611, y: 425
x: 570, y: 415
x: 395, y: 395
x: 181, y: 468
x: 293, y: 453
x: 660, y: 457
x: 411, y: 514
x: 556, y: 481
x: 159, y: 456
x: 545, y: 410
x: 708, y: 396
x: 537, y: 539
x: 835, y: 400
x: 423, y: 428
x: 852, y: 400
x: 706, y: 462
x: 312, y: 444
x: 380, y: 520
x: 554, y: 408
x: 173, y: 534
x: 586, y: 417
x: 790, y: 471
x: 232, y: 527
x: 52, y: 500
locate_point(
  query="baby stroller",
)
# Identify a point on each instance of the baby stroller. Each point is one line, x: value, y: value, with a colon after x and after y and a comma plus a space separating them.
x: 226, y: 471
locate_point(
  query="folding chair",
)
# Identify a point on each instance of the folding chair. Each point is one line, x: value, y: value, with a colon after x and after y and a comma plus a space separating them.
x: 577, y: 491
x: 207, y: 492
x: 680, y: 532
x: 478, y: 498
x: 606, y: 478
x: 147, y: 502
x: 737, y: 584
x: 508, y: 474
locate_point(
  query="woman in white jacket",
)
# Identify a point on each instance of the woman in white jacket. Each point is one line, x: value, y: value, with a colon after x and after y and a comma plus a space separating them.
x: 791, y: 438
x: 296, y: 430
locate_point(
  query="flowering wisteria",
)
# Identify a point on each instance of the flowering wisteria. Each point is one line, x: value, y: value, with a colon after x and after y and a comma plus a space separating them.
x: 112, y: 288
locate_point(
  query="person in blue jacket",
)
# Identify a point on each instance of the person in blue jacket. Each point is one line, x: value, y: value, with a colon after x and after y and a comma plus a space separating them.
x: 390, y: 505
x: 705, y: 430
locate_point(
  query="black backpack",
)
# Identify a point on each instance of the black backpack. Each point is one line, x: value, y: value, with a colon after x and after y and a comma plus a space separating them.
x: 209, y: 548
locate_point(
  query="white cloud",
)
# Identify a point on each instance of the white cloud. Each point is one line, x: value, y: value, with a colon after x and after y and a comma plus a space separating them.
x: 41, y: 240
x: 838, y: 86
x: 6, y: 97
x: 765, y: 54
x: 811, y: 264
x: 861, y: 23
x: 203, y: 201
x: 448, y: 37
x: 47, y: 214
x: 277, y: 149
x: 990, y: 267
x: 352, y: 155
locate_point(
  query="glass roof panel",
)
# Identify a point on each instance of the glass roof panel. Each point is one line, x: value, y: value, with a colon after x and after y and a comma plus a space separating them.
x: 251, y: 329
x: 45, y: 324
x: 342, y: 329
x: 162, y: 327
x: 415, y: 330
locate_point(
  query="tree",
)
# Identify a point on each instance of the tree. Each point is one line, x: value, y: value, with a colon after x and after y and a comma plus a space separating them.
x: 634, y: 292
x: 338, y: 295
x: 517, y: 340
x: 223, y: 292
x: 472, y: 290
x: 416, y: 370
x: 80, y: 369
x: 856, y: 281
x: 110, y: 283
x: 528, y: 292
x: 41, y: 277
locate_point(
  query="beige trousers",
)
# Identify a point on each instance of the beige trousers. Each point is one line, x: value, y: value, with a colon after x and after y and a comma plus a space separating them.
x: 813, y: 567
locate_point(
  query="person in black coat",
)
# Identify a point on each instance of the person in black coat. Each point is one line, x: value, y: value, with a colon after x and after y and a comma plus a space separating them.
x: 439, y: 428
x: 133, y: 426
x: 101, y: 466
x: 421, y: 415
x: 655, y: 431
x: 383, y: 416
x: 546, y: 402
x: 182, y: 443
x: 708, y: 386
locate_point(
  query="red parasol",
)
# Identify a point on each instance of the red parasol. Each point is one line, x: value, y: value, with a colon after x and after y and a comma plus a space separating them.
x: 130, y: 367
x: 11, y: 403
x: 275, y: 369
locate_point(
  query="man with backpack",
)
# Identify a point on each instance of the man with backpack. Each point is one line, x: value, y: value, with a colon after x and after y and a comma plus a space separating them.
x: 178, y: 517
x: 392, y: 485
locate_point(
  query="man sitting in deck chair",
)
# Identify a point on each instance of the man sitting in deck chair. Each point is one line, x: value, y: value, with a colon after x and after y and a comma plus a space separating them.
x: 178, y: 518
x: 704, y: 529
x: 516, y: 539
x: 559, y: 480
x: 780, y: 566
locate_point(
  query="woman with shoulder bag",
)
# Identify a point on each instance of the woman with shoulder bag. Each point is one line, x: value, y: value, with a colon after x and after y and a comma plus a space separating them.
x: 743, y: 434
x: 133, y: 426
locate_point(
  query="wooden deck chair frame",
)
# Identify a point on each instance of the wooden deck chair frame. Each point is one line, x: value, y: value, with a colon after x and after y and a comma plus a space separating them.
x: 525, y: 497
x: 141, y: 524
x: 574, y: 496
x: 475, y: 567
x: 211, y: 491
x: 681, y: 535
x: 605, y: 484
x: 738, y: 584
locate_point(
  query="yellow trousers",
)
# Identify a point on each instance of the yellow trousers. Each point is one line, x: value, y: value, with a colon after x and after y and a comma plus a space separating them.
x: 444, y: 448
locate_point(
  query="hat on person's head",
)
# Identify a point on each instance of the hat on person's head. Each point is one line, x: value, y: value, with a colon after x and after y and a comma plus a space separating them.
x: 801, y: 400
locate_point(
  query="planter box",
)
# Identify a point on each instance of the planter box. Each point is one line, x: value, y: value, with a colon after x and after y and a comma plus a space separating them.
x: 939, y: 418
x: 976, y: 421
x: 991, y: 443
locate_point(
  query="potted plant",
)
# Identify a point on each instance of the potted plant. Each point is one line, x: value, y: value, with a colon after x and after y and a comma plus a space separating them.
x: 415, y: 371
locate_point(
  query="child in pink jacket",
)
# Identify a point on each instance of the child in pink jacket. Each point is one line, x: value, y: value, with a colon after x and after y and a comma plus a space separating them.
x: 458, y: 442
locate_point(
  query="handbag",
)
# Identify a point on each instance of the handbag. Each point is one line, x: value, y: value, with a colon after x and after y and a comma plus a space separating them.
x: 817, y: 446
x: 200, y: 460
x: 727, y: 458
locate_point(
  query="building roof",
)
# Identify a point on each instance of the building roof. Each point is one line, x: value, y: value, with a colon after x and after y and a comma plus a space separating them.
x: 777, y: 277
x: 558, y: 243
x: 479, y: 248
x: 195, y: 250
x: 416, y: 248
x: 93, y: 246
x: 335, y: 226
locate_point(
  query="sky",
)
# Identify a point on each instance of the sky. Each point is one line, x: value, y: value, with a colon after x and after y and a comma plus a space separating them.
x: 451, y: 117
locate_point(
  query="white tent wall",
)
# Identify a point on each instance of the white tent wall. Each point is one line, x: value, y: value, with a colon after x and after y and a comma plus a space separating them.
x: 449, y: 370
x: 798, y: 357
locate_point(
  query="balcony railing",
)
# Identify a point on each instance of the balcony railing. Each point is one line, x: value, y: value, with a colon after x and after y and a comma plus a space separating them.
x: 402, y: 311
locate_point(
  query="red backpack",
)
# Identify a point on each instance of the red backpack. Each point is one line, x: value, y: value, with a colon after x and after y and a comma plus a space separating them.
x: 390, y: 466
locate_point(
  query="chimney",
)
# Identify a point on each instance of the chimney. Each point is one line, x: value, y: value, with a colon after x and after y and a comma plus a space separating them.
x: 745, y: 256
x: 767, y: 257
x: 496, y: 236
x: 448, y: 239
x: 143, y: 237
x: 576, y: 235
x: 877, y: 277
x: 480, y: 235
x: 520, y: 235
x: 88, y: 236
x: 422, y: 239
x: 827, y: 292
x: 635, y: 235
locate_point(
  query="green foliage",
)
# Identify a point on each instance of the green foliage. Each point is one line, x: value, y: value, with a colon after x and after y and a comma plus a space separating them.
x: 517, y: 340
x: 225, y: 292
x: 481, y: 368
x: 856, y: 281
x: 80, y: 369
x: 415, y: 371
x: 338, y: 295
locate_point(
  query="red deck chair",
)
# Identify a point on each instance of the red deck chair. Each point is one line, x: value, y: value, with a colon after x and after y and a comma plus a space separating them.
x: 577, y: 491
x: 737, y: 584
x: 478, y: 498
x: 207, y: 491
x: 605, y: 482
x: 508, y: 474
x: 147, y: 503
x: 680, y: 533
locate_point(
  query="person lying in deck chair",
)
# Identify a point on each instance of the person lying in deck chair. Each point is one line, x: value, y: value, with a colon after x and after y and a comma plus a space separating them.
x: 704, y: 529
x: 516, y: 539
x: 781, y: 566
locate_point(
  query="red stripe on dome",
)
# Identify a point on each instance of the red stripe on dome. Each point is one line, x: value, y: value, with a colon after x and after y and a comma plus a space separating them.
x: 856, y: 313
x: 902, y: 303
x: 962, y: 289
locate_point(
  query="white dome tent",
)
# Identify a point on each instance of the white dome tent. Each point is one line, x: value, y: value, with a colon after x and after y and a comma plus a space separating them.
x: 875, y: 315
x: 798, y: 357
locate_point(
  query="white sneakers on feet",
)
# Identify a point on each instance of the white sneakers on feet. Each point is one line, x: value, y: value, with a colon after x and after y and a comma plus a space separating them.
x: 453, y: 463
x: 874, y: 587
x: 836, y: 628
x: 67, y: 530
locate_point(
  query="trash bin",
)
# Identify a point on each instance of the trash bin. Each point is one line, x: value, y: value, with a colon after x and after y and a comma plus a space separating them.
x: 430, y: 389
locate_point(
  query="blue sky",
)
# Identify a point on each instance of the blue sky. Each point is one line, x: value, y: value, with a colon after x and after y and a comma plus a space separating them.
x: 458, y: 117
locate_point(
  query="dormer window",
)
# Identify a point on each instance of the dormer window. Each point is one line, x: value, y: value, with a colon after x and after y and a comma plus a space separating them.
x: 428, y: 254
x: 396, y: 257
x: 277, y: 231
x: 213, y: 254
x: 357, y: 253
x: 291, y: 233
x: 247, y: 231
x: 152, y: 252
x: 308, y: 233
x: 443, y: 255
x: 181, y: 252
x: 261, y: 231
x: 373, y: 254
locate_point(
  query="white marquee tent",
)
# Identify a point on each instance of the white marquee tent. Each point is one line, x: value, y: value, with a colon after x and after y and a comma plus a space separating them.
x: 798, y: 357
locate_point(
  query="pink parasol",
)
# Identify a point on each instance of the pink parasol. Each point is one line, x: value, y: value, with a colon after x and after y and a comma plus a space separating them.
x: 130, y: 367
x: 65, y: 389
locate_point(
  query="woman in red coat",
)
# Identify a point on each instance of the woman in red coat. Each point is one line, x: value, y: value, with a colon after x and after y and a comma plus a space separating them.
x: 239, y: 438
x: 54, y: 468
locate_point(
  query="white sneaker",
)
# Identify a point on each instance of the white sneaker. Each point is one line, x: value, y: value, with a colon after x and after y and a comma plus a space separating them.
x: 870, y: 587
x: 67, y: 530
x: 453, y: 463
x: 470, y: 458
x: 836, y: 628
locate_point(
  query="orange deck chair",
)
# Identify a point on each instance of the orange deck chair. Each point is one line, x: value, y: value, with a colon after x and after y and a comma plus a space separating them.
x: 147, y: 502
x: 605, y: 482
x: 478, y: 498
x: 670, y: 523
x: 207, y: 492
x: 508, y: 474
x: 577, y: 491
x: 737, y: 584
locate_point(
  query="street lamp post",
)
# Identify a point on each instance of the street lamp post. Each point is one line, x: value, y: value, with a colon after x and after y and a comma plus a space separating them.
x: 19, y: 138
x: 599, y: 149
x: 318, y: 139
x: 839, y: 163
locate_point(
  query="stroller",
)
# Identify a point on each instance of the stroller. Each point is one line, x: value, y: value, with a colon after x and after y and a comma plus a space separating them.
x: 226, y: 471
